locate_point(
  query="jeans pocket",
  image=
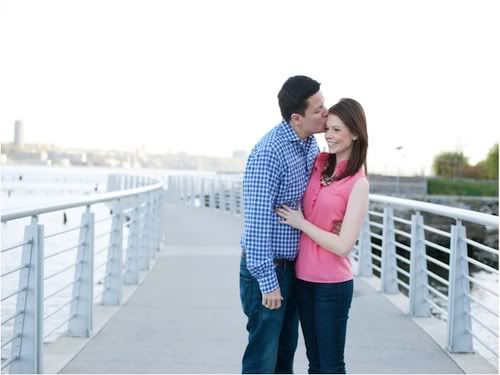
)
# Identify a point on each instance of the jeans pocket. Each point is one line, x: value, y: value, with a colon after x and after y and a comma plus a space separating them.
x: 247, y: 292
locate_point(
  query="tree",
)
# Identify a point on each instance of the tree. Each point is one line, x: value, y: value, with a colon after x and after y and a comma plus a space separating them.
x: 449, y: 164
x: 491, y: 162
x: 475, y: 172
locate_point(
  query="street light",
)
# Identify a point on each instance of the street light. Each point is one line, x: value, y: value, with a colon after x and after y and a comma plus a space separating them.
x: 398, y: 148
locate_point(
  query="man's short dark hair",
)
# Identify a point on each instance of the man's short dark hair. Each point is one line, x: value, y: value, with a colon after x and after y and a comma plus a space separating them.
x: 293, y: 96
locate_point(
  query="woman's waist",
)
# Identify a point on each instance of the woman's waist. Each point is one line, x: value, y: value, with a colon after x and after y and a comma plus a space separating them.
x: 323, y: 272
x: 311, y: 252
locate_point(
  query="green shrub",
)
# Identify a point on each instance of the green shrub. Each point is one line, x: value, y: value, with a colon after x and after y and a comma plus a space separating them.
x: 462, y: 187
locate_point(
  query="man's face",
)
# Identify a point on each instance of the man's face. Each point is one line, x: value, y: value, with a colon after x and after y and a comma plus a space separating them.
x: 314, y: 119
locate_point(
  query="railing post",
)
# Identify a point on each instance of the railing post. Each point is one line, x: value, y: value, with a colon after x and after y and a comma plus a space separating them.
x: 159, y: 220
x: 187, y: 190
x: 202, y: 193
x: 239, y: 192
x: 144, y: 233
x: 365, y: 250
x: 29, y: 325
x: 154, y: 223
x: 163, y: 206
x: 190, y: 191
x: 172, y: 190
x: 217, y: 195
x: 177, y: 189
x: 151, y: 224
x: 419, y: 294
x: 183, y: 182
x: 129, y: 182
x: 230, y: 198
x: 111, y: 184
x: 389, y: 272
x: 168, y: 186
x: 113, y: 281
x: 459, y: 321
x: 120, y: 182
x: 206, y: 193
x: 82, y: 307
x: 212, y: 194
x: 222, y: 195
x: 196, y: 190
x: 232, y: 192
x: 131, y: 276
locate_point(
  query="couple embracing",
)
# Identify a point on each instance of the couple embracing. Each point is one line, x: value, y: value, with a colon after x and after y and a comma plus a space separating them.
x: 303, y: 211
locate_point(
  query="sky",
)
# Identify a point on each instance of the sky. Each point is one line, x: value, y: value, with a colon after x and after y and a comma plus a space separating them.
x: 202, y: 76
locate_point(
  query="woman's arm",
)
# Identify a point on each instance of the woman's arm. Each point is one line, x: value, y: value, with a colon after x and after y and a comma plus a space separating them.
x: 342, y: 243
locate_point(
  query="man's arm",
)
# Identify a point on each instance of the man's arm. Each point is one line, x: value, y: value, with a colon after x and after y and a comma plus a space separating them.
x: 262, y: 180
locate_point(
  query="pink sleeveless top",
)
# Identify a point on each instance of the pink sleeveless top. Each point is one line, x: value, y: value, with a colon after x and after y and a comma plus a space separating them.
x: 323, y: 206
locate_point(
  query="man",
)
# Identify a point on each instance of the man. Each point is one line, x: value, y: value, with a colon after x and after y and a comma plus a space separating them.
x: 277, y: 173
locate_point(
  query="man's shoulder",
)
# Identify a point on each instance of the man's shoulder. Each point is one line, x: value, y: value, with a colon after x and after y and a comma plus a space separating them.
x: 271, y: 142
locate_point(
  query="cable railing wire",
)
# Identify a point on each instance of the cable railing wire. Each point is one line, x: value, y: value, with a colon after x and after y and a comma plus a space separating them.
x: 64, y: 251
x: 63, y: 232
x: 61, y: 289
x: 16, y: 246
x: 65, y: 269
x: 12, y: 294
x: 64, y: 305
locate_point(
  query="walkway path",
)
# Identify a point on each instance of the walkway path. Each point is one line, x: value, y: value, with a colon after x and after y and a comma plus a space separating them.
x: 186, y: 317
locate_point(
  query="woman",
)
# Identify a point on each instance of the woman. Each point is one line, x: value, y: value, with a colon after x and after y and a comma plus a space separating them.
x: 337, y: 192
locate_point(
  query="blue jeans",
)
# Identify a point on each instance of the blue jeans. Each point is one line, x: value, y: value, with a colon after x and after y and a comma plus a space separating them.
x: 323, y: 311
x: 272, y: 334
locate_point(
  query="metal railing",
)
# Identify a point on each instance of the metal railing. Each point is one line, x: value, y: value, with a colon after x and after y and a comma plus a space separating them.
x: 416, y: 248
x: 68, y: 281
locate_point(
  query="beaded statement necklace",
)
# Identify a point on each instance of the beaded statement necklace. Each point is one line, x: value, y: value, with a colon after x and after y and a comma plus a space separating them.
x: 327, y: 180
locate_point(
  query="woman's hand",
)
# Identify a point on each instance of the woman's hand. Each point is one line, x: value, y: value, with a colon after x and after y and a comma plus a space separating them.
x: 292, y: 217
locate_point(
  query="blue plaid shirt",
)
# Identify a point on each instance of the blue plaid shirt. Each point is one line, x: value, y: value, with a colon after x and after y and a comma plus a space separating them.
x: 277, y: 173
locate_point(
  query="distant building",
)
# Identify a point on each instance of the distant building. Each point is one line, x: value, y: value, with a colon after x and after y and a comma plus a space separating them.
x: 18, y: 134
x: 31, y: 157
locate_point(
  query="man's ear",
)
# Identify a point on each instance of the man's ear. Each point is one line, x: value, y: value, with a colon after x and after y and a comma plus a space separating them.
x: 295, y: 118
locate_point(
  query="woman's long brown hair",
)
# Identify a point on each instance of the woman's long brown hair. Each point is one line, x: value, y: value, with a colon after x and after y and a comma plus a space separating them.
x: 352, y: 115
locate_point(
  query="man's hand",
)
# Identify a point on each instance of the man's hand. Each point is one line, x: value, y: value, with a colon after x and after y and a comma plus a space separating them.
x: 272, y: 300
x: 337, y: 226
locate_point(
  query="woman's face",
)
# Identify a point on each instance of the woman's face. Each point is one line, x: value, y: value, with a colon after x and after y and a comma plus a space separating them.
x: 338, y: 137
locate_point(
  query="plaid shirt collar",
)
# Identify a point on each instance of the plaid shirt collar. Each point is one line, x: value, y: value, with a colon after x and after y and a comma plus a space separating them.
x: 290, y: 135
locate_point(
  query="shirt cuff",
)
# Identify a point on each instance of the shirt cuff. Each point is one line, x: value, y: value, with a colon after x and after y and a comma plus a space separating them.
x: 269, y: 281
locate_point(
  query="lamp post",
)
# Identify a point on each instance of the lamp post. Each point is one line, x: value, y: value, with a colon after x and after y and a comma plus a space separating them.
x: 398, y: 148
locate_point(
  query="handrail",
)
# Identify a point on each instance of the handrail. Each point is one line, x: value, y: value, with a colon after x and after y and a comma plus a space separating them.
x: 452, y: 212
x: 147, y: 198
x: 71, y: 203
